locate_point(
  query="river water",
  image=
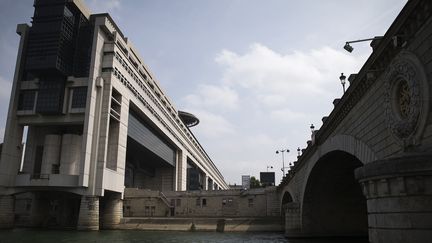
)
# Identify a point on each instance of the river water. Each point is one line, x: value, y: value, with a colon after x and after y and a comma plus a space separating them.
x: 133, y: 236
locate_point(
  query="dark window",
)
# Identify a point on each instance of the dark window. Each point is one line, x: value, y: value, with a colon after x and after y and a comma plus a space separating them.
x: 107, y: 70
x: 79, y: 96
x: 38, y: 161
x: 204, y: 202
x: 26, y: 100
x: 178, y: 203
x: 50, y: 95
x: 250, y: 202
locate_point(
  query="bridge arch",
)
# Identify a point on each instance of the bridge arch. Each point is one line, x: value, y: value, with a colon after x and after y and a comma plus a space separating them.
x: 332, y: 202
x: 286, y: 199
x: 348, y: 144
x: 343, y: 143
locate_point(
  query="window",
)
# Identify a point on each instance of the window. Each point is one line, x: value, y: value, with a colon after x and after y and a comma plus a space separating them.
x: 107, y: 70
x: 198, y: 202
x: 153, y: 210
x: 250, y: 202
x: 79, y: 96
x: 178, y: 202
x: 26, y: 100
x: 204, y: 202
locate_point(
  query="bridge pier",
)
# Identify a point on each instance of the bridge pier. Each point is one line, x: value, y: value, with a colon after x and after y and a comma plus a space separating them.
x: 89, y: 213
x: 6, y: 211
x: 112, y: 211
x: 399, y: 198
x: 292, y: 219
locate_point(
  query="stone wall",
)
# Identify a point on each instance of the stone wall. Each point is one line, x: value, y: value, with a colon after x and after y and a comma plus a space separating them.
x: 262, y: 202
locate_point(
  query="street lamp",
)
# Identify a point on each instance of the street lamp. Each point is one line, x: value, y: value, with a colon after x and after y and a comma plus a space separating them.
x: 269, y: 166
x: 342, y: 79
x: 282, y: 151
x: 349, y: 48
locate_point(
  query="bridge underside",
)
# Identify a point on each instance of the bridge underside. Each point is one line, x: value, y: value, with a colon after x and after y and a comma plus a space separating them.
x: 333, y: 203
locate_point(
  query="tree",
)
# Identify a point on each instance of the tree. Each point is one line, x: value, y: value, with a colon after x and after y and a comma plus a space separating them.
x: 254, y: 182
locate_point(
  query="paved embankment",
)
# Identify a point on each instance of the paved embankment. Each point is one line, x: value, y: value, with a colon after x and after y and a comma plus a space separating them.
x: 268, y: 224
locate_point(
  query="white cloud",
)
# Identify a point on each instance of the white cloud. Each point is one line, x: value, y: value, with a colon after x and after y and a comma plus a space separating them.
x: 272, y: 98
x: 212, y: 125
x: 286, y: 115
x: 219, y: 97
x: 265, y: 71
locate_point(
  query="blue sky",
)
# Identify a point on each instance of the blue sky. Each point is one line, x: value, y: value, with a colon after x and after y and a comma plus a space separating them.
x: 257, y: 73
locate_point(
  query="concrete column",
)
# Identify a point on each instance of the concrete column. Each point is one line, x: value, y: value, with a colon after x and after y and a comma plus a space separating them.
x: 399, y: 198
x: 113, y: 212
x: 205, y: 182
x: 11, y: 152
x: 51, y: 153
x: 70, y: 154
x: 210, y: 184
x: 181, y: 169
x: 6, y: 212
x: 88, y: 218
x: 39, y: 210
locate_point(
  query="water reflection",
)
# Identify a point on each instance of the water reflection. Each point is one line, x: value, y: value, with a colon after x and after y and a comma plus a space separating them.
x: 132, y: 236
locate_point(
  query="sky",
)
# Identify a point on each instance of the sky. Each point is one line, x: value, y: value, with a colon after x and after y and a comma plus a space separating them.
x: 256, y: 73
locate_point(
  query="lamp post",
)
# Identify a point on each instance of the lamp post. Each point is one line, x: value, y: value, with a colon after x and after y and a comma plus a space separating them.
x: 282, y: 151
x: 349, y: 48
x: 269, y: 166
x: 342, y: 79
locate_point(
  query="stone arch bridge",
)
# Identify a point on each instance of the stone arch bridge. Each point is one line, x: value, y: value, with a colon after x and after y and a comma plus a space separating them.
x: 368, y: 170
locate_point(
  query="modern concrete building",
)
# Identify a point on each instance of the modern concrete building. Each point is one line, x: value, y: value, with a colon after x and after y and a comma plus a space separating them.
x: 94, y: 120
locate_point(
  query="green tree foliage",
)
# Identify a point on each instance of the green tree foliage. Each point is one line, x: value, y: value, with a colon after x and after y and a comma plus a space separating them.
x: 254, y: 182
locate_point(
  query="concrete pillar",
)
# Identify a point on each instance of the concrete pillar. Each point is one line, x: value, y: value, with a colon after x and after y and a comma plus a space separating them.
x: 399, y: 198
x: 113, y: 212
x: 39, y: 210
x: 6, y: 211
x: 10, y: 160
x: 210, y: 184
x: 70, y: 154
x: 181, y: 168
x: 51, y: 153
x: 205, y: 182
x: 88, y: 218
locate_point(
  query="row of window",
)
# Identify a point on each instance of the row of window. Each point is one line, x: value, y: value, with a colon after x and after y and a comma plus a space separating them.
x: 27, y: 99
x: 202, y: 202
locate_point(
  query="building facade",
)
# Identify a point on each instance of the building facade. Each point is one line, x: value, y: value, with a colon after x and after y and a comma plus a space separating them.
x: 86, y: 120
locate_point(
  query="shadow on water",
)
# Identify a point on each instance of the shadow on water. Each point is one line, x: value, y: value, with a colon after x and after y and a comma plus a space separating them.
x: 135, y: 236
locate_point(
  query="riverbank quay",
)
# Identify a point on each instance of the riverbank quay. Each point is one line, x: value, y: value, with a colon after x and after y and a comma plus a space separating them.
x: 267, y: 224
